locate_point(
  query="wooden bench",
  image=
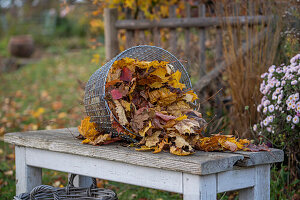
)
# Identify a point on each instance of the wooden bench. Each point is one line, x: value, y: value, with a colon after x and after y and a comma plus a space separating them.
x: 200, y: 176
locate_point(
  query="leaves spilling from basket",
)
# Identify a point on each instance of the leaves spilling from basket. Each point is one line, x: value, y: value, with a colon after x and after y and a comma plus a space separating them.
x: 149, y: 103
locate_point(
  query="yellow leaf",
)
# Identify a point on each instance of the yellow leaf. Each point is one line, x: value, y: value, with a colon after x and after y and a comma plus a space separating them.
x: 163, y: 96
x: 38, y: 112
x: 178, y: 151
x: 156, y: 85
x: 182, y: 117
x: 88, y: 129
x: 62, y: 115
x: 96, y: 59
x: 161, y: 73
x: 190, y: 96
x: 175, y: 80
x: 129, y: 3
x: 86, y: 141
x: 164, y: 10
x: 142, y: 133
x: 126, y: 105
x: 145, y: 148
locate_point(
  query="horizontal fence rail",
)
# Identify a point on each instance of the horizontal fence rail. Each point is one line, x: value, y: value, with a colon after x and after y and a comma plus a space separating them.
x: 199, y: 22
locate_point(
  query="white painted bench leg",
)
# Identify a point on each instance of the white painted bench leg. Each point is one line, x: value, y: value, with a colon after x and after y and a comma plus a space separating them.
x: 27, y: 177
x: 199, y: 187
x: 261, y: 189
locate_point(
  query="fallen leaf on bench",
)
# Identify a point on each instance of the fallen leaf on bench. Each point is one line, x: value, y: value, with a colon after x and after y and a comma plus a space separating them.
x: 88, y: 130
x: 9, y: 173
x: 256, y: 148
x: 220, y: 142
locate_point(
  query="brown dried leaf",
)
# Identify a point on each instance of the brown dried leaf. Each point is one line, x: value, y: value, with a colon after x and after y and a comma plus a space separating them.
x: 121, y: 113
x: 187, y: 126
x: 143, y: 132
x: 152, y: 140
x: 125, y: 104
x: 178, y: 151
x: 165, y: 117
x: 137, y: 122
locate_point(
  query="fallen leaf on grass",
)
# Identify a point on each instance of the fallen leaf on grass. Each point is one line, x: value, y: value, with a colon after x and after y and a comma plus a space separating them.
x: 10, y: 156
x: 9, y: 173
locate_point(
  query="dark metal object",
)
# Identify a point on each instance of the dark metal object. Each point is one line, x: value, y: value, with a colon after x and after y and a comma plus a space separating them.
x: 94, y: 100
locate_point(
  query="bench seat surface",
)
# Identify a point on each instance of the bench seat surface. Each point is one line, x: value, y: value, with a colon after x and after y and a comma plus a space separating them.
x: 200, y: 163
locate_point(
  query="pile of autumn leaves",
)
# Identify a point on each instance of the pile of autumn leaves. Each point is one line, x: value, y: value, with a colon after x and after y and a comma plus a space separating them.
x: 148, y: 99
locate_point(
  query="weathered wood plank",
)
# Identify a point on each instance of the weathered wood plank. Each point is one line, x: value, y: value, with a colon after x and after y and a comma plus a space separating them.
x: 61, y: 140
x: 261, y: 157
x: 200, y: 22
x: 173, y: 33
x: 236, y: 11
x: 156, y: 36
x: 261, y: 189
x: 202, y: 39
x: 238, y: 178
x: 187, y: 32
x: 199, y: 187
x: 106, y: 169
x: 111, y: 33
x: 129, y: 33
x: 219, y: 58
x: 156, y: 32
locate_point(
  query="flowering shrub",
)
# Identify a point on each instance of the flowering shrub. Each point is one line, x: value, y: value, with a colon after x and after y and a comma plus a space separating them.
x: 280, y: 105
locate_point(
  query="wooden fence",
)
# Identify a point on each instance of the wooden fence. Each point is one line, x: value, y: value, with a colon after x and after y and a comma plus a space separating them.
x: 200, y: 22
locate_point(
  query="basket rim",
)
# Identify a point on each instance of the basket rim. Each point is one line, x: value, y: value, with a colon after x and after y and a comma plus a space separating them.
x: 141, y: 46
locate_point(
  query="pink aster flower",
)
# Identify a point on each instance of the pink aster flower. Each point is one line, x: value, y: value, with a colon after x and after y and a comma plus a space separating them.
x: 295, y: 119
x: 294, y: 82
x: 289, y: 118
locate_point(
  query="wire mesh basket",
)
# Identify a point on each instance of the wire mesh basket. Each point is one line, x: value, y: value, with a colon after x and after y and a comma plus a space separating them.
x: 46, y: 192
x: 94, y: 100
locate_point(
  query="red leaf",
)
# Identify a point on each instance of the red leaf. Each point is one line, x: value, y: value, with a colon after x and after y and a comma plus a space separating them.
x: 117, y: 127
x: 116, y: 94
x: 165, y: 117
x: 112, y: 140
x: 126, y: 74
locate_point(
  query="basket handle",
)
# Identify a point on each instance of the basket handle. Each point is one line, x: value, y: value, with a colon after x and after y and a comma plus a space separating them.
x: 44, y: 188
x: 71, y: 182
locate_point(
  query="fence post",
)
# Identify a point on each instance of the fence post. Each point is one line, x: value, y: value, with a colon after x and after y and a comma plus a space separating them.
x: 110, y: 33
x: 202, y: 39
x: 129, y: 33
x: 219, y: 58
x: 173, y: 34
